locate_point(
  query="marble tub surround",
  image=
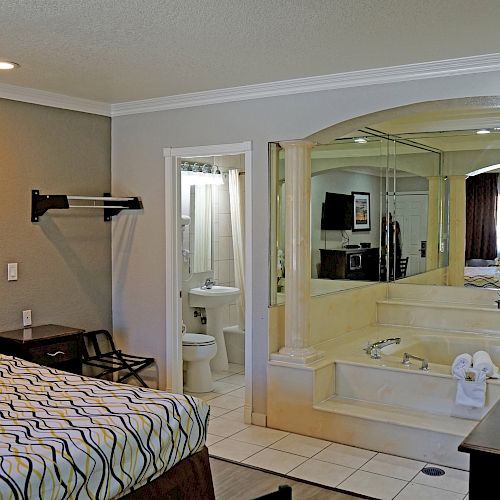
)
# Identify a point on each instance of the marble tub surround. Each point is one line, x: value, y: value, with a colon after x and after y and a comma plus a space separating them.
x: 381, y: 404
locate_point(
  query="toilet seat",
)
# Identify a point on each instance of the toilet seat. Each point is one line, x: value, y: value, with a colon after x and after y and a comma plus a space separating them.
x: 197, y: 339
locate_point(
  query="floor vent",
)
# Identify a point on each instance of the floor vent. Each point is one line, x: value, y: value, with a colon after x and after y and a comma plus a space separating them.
x: 433, y: 471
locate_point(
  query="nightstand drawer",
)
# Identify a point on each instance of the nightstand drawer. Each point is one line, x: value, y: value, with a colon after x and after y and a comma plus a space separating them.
x: 55, y: 352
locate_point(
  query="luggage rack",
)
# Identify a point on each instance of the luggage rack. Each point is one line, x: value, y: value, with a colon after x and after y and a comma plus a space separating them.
x: 112, y: 205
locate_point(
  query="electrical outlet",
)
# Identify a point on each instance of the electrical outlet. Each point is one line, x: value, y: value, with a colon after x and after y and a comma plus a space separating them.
x: 27, y: 317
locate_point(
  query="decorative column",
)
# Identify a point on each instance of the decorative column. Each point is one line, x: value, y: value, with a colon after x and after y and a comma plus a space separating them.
x: 435, y: 196
x: 297, y: 254
x: 457, y: 231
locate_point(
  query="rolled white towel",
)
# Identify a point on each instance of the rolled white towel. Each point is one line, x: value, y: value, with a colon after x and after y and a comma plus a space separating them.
x: 481, y: 361
x: 460, y: 364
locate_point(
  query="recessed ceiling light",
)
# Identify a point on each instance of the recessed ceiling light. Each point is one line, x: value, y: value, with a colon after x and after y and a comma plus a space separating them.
x: 360, y: 140
x: 8, y: 65
x: 483, y: 131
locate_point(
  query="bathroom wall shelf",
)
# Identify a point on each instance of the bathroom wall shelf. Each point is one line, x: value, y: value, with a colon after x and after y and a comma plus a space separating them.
x: 111, y: 205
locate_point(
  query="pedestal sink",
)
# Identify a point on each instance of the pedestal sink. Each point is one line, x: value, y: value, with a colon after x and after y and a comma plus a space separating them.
x: 213, y: 300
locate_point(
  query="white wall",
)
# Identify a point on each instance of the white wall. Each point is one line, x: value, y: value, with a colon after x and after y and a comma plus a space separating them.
x: 138, y: 167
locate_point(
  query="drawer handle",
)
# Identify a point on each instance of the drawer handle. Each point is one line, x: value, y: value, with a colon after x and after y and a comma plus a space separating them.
x: 54, y: 354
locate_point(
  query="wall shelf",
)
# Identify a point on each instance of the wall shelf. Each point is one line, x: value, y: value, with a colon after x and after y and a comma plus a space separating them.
x: 112, y: 205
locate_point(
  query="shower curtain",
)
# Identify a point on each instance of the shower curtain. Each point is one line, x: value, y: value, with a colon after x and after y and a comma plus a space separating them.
x: 236, y: 206
x: 202, y: 234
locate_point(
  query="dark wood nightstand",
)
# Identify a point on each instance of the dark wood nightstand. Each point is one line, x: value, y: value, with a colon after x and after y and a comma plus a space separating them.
x: 56, y: 346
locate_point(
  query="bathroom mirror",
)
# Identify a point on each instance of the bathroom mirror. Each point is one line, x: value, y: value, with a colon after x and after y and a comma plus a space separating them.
x: 200, y: 234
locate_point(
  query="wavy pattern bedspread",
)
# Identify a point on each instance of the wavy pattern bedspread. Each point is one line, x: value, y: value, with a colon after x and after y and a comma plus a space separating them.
x: 64, y: 436
x: 482, y: 277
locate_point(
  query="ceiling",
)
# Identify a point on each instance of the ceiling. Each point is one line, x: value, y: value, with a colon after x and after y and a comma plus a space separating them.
x: 118, y: 51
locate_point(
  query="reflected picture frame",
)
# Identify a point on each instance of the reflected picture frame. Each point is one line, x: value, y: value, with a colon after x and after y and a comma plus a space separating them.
x: 362, y: 216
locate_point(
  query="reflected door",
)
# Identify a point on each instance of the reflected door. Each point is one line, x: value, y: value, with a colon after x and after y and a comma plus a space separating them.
x: 412, y: 217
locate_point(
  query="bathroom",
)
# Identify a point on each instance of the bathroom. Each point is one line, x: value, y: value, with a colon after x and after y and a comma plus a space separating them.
x: 212, y: 247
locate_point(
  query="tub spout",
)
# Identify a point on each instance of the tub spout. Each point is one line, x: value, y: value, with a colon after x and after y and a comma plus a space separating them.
x: 374, y: 350
x: 406, y: 361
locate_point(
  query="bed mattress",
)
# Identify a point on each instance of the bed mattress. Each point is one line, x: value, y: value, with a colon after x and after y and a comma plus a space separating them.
x: 482, y: 277
x: 66, y: 436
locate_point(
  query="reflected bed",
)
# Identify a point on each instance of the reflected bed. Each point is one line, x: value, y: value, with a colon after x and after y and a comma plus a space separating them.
x: 482, y: 277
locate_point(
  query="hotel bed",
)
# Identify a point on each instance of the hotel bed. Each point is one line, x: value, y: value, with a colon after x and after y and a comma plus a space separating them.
x: 64, y: 436
x: 482, y: 277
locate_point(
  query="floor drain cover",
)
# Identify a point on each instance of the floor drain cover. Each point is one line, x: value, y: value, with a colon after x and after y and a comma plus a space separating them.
x: 433, y: 471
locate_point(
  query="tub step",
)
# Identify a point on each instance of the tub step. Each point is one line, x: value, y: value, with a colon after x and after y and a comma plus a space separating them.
x: 477, y: 297
x: 397, y: 416
x: 441, y: 316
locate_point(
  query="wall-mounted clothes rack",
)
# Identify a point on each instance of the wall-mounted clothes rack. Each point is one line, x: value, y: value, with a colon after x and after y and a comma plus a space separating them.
x: 111, y: 205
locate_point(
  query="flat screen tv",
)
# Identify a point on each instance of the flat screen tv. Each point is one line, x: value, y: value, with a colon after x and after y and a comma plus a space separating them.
x: 337, y: 212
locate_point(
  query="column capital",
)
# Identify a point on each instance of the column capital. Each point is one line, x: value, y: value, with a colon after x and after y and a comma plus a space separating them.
x: 297, y: 143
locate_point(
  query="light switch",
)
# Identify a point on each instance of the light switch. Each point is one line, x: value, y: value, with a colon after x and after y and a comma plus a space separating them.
x: 12, y: 271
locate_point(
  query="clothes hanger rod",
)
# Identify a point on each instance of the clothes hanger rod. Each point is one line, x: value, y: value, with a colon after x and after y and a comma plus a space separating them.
x: 98, y: 198
x: 96, y: 206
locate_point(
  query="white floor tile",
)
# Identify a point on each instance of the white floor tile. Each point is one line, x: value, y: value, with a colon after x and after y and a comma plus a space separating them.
x: 238, y: 393
x: 262, y: 436
x: 348, y: 456
x: 237, y: 414
x: 274, y: 460
x: 300, y: 445
x: 236, y: 368
x: 212, y: 439
x: 228, y: 402
x: 322, y: 472
x: 236, y: 379
x: 215, y: 411
x: 421, y: 492
x: 453, y: 480
x: 220, y: 375
x: 225, y: 428
x: 206, y: 396
x: 392, y: 466
x: 372, y: 485
x: 233, y: 450
x: 222, y: 387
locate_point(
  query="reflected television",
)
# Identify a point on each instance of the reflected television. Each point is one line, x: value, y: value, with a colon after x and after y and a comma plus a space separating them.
x: 337, y: 212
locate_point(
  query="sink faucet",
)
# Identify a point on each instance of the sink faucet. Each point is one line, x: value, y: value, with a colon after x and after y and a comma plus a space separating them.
x: 374, y: 350
x: 209, y: 283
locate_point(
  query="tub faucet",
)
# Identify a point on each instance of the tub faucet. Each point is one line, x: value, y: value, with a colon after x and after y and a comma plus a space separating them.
x: 209, y: 283
x: 374, y: 350
x: 406, y: 361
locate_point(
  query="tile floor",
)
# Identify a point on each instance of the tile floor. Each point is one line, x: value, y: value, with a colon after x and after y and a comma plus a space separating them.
x: 352, y: 470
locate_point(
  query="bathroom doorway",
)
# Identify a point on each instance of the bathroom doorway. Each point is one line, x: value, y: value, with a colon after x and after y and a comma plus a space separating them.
x: 208, y: 217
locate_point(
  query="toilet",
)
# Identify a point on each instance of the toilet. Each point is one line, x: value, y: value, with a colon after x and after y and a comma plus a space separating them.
x: 197, y: 351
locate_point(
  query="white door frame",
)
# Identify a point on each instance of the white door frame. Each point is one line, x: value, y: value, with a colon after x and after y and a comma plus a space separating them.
x: 173, y: 275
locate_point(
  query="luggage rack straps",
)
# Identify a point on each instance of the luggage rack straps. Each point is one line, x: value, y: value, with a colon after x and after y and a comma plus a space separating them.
x: 112, y: 205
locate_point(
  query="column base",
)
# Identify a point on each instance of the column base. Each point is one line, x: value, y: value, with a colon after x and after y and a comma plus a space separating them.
x: 298, y: 355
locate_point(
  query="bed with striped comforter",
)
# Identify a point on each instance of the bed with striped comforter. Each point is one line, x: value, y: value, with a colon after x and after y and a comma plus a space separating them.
x: 482, y: 277
x: 65, y: 436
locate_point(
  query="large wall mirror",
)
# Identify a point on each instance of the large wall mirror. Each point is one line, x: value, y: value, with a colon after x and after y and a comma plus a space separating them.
x: 394, y: 178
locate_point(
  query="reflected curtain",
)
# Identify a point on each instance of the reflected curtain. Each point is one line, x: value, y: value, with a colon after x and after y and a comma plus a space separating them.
x: 236, y: 206
x: 202, y: 234
x: 481, y: 217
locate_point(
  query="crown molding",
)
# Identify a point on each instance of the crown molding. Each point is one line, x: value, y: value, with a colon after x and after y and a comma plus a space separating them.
x: 378, y: 76
x: 53, y: 100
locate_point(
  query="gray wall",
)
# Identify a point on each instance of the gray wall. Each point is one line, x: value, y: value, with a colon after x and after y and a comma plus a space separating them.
x: 138, y: 166
x: 65, y: 259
